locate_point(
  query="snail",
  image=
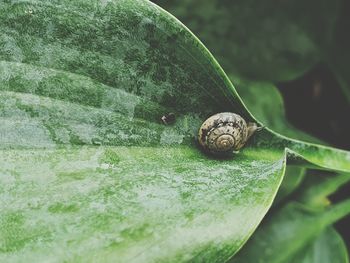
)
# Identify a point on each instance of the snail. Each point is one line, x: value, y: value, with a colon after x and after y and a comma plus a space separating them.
x: 225, y: 133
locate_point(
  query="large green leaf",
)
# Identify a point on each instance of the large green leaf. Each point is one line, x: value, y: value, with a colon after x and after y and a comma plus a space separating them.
x: 89, y: 172
x: 130, y: 203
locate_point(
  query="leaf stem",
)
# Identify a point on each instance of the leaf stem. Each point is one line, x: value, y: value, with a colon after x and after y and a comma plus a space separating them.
x: 316, y: 191
x: 336, y: 212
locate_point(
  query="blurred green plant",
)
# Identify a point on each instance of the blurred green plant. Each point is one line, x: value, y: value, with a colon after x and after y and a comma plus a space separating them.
x: 261, y: 40
x: 338, y: 55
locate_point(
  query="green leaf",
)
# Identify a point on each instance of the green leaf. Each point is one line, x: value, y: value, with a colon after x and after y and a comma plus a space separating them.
x: 131, y: 203
x: 265, y: 40
x: 329, y: 247
x: 316, y: 189
x: 301, y: 229
x: 88, y: 74
x: 88, y: 170
x: 293, y: 178
x: 301, y: 226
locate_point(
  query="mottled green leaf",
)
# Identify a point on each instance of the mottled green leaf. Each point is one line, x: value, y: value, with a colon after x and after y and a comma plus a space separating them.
x: 86, y: 73
x: 130, y: 203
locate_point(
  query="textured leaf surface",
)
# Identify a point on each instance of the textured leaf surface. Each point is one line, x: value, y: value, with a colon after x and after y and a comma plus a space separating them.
x: 130, y: 203
x: 88, y: 170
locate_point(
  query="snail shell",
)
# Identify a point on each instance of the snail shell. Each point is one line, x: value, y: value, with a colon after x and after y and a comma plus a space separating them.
x: 225, y: 132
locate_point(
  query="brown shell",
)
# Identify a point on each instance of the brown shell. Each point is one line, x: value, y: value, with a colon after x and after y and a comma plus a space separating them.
x: 224, y: 132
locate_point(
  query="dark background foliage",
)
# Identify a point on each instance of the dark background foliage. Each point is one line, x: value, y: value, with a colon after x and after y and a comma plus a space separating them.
x: 316, y: 104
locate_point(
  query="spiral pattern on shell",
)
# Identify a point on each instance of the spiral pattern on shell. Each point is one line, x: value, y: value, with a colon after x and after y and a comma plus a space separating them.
x: 223, y: 132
